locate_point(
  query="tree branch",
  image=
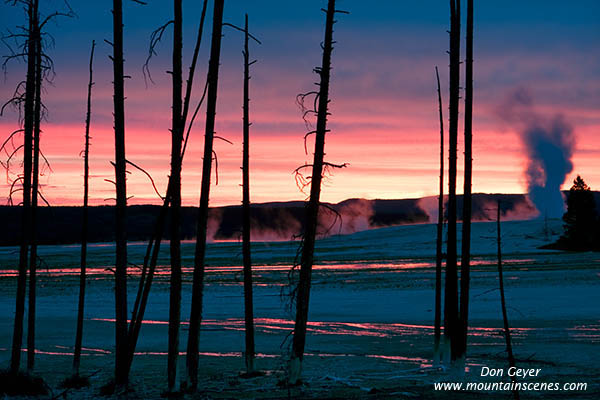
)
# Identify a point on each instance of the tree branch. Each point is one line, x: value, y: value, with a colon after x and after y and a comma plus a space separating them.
x: 149, y: 177
x: 155, y: 38
x: 242, y: 30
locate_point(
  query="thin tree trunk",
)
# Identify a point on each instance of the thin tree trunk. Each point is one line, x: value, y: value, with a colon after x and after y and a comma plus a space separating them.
x: 150, y: 261
x: 37, y: 109
x: 84, y: 226
x: 465, y: 258
x: 198, y: 280
x: 153, y: 247
x: 312, y: 208
x: 440, y: 239
x: 121, y: 370
x: 175, y: 245
x: 154, y: 240
x: 451, y: 289
x: 248, y: 303
x: 17, y: 340
x: 511, y: 358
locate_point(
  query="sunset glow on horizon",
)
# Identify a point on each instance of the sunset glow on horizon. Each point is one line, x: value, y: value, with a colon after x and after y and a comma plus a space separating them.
x: 384, y: 120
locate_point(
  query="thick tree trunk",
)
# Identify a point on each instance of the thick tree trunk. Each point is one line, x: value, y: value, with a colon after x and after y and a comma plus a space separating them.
x: 121, y: 361
x: 248, y: 303
x: 17, y: 340
x: 511, y: 358
x: 176, y: 143
x: 312, y: 208
x: 440, y: 239
x: 465, y: 258
x: 198, y: 280
x: 451, y: 289
x: 84, y: 226
x: 37, y: 110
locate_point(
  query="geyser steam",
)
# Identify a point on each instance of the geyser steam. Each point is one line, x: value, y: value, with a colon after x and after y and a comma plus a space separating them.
x: 549, y: 143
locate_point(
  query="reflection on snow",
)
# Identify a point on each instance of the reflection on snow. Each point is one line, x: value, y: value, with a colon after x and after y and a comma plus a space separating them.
x: 164, y: 270
x: 423, y: 363
x: 363, y: 266
x: 479, y: 335
x: 65, y: 351
x: 395, y: 333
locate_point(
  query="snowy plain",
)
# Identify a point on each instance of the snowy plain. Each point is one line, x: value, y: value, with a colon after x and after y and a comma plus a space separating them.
x: 371, y: 314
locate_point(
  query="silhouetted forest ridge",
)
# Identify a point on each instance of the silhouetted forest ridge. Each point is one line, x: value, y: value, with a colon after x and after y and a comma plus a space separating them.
x: 270, y: 221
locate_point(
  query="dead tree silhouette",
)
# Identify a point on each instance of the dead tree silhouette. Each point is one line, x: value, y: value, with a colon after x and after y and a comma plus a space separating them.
x: 175, y: 240
x: 37, y: 115
x: 246, y: 228
x: 27, y: 99
x: 439, y: 239
x: 465, y: 258
x: 121, y: 372
x: 248, y: 303
x: 84, y: 225
x: 122, y: 350
x: 28, y: 126
x: 319, y: 166
x: 451, y: 287
x: 198, y: 279
x: 180, y: 119
x: 511, y: 358
x: 249, y: 353
x: 43, y: 65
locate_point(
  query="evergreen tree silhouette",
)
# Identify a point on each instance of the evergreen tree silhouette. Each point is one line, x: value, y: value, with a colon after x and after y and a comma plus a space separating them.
x: 581, y: 219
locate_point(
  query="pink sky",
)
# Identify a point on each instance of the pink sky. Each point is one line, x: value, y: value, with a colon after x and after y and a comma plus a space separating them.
x: 384, y: 116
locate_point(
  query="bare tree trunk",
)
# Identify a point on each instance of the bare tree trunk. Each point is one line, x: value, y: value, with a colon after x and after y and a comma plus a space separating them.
x: 465, y: 258
x: 84, y: 225
x: 248, y: 303
x: 150, y: 261
x: 312, y: 208
x: 511, y: 358
x: 153, y: 248
x: 451, y: 290
x: 37, y: 110
x: 176, y: 143
x: 121, y: 370
x: 198, y: 280
x: 440, y: 239
x: 17, y: 340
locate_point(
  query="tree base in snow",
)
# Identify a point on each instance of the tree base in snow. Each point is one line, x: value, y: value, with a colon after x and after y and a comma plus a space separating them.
x: 108, y: 389
x: 21, y: 384
x: 294, y: 371
x: 111, y: 388
x: 75, y: 382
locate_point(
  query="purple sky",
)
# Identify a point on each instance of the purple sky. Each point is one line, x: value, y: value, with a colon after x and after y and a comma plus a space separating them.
x: 384, y: 111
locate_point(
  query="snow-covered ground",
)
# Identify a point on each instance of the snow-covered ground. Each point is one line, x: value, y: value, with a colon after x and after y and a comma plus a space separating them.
x: 371, y: 314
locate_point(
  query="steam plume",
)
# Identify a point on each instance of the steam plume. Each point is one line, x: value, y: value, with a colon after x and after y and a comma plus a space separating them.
x: 549, y: 143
